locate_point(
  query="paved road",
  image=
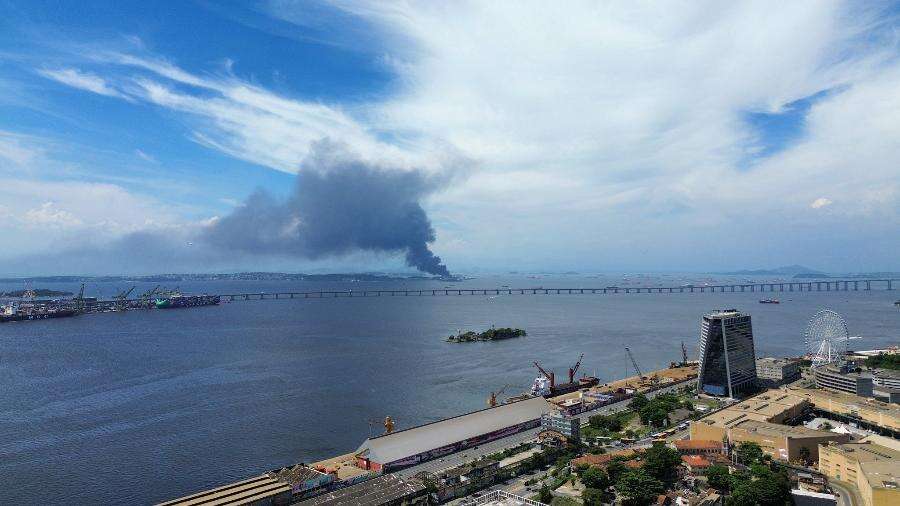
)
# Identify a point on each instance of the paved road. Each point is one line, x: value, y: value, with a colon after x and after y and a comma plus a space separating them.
x: 456, y: 459
x: 848, y: 495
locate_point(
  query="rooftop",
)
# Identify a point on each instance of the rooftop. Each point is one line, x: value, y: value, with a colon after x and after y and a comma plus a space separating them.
x: 857, y: 402
x: 764, y: 408
x: 725, y: 313
x: 405, y: 443
x: 380, y: 490
x: 241, y: 492
x: 695, y: 461
x: 867, y: 452
x: 698, y: 444
x: 775, y: 361
x: 778, y: 430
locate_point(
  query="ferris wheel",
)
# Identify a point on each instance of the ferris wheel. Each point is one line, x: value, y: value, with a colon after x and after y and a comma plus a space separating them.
x: 826, y: 338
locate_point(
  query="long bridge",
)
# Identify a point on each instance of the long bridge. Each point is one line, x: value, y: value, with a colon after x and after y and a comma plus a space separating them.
x: 851, y: 285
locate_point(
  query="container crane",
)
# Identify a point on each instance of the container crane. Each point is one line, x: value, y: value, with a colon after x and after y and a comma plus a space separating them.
x: 492, y: 401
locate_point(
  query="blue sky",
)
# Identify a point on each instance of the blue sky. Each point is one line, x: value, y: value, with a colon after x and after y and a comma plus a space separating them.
x: 583, y: 136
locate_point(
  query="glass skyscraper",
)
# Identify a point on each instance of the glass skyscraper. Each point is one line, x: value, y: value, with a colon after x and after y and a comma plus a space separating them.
x: 727, y: 356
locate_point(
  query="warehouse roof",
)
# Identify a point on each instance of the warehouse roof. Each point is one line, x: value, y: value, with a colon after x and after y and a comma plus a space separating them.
x: 382, y: 490
x: 406, y: 443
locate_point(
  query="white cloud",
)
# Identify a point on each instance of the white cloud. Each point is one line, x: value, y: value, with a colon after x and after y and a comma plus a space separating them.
x: 820, y: 203
x: 144, y: 156
x: 82, y: 80
x: 48, y: 215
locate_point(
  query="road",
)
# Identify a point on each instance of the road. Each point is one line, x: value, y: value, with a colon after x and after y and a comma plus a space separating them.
x: 459, y: 458
x: 848, y: 495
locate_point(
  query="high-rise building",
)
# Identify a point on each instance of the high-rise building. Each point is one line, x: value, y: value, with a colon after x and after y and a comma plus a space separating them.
x: 727, y: 356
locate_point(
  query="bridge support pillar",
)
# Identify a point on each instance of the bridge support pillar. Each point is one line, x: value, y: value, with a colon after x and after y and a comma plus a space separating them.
x: 890, y: 287
x: 868, y: 285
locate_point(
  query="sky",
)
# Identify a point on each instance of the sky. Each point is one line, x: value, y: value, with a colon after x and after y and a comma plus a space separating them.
x: 308, y: 136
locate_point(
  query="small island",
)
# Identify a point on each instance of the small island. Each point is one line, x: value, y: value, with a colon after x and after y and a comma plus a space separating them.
x: 40, y: 292
x: 491, y: 334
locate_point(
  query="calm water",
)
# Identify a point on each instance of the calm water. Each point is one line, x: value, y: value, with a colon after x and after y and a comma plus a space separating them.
x: 148, y: 405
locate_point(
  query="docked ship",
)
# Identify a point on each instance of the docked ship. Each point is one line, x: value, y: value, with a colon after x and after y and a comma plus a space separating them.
x: 546, y: 386
x: 177, y: 300
x: 14, y: 312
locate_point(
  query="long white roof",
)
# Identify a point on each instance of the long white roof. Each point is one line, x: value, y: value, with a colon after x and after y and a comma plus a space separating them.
x: 405, y: 443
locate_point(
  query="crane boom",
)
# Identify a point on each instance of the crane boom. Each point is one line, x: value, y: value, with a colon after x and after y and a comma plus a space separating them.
x: 634, y: 362
x: 548, y: 375
x: 574, y: 369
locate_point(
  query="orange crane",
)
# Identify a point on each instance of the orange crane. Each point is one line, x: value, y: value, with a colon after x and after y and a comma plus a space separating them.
x: 574, y: 369
x: 492, y: 402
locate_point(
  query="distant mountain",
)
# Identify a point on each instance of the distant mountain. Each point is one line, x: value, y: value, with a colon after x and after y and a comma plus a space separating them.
x: 788, y: 270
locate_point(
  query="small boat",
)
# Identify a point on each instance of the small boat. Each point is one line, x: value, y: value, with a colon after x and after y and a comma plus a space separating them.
x: 770, y: 301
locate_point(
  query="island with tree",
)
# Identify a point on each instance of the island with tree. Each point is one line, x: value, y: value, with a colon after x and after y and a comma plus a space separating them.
x: 491, y: 334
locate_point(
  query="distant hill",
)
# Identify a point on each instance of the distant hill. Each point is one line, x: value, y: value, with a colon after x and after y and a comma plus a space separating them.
x: 787, y: 270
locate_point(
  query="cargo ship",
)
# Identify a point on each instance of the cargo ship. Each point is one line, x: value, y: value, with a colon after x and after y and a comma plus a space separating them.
x: 178, y: 300
x: 15, y: 313
x: 770, y: 301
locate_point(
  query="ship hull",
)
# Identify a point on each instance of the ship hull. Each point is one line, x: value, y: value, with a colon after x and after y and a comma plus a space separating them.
x: 63, y: 313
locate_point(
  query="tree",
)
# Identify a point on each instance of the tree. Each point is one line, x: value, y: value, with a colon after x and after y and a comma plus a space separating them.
x: 749, y: 453
x: 719, y: 478
x: 767, y: 488
x: 638, y: 402
x: 544, y: 495
x: 654, y: 414
x: 563, y: 501
x: 638, y: 487
x: 661, y: 462
x: 592, y: 497
x: 615, y: 470
x: 595, y: 478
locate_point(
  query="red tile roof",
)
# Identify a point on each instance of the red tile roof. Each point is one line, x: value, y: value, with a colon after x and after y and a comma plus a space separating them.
x: 698, y: 444
x: 695, y: 461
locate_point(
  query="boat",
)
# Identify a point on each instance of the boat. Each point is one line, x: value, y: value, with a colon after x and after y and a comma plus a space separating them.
x: 770, y: 301
x: 15, y: 313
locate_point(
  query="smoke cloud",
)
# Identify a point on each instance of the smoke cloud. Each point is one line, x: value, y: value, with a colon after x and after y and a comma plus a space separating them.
x: 340, y: 205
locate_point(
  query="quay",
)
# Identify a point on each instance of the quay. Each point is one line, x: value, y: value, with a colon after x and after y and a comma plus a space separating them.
x: 851, y: 285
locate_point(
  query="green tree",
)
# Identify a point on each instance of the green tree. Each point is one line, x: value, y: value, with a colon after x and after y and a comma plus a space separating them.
x: 654, y: 414
x: 615, y: 470
x: 544, y: 495
x: 719, y: 478
x: 564, y: 501
x: 749, y: 453
x: 661, y: 462
x: 595, y: 478
x: 592, y: 497
x: 638, y: 402
x: 638, y: 487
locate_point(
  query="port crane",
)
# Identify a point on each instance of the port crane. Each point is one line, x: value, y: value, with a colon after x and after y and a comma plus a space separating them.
x: 684, y: 354
x: 634, y: 363
x: 492, y: 401
x: 79, y: 301
x: 574, y: 369
x: 122, y: 299
x: 548, y: 375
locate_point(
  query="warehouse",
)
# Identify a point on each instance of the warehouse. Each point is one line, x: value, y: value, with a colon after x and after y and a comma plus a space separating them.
x: 411, y: 446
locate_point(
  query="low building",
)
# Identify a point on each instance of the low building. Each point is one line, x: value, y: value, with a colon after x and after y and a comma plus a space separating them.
x: 759, y: 419
x: 603, y: 460
x: 695, y: 464
x: 409, y: 447
x: 699, y: 446
x: 886, y: 394
x: 774, y: 372
x: 807, y: 498
x: 569, y: 426
x: 784, y: 442
x: 259, y: 491
x: 386, y: 490
x: 871, y: 412
x: 874, y: 469
x: 886, y: 378
x: 843, y: 379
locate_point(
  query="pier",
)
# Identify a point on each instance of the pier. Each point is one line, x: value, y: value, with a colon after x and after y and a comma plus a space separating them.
x: 852, y: 285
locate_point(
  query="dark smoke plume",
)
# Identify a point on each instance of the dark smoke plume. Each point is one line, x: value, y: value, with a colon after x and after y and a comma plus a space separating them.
x: 339, y: 205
